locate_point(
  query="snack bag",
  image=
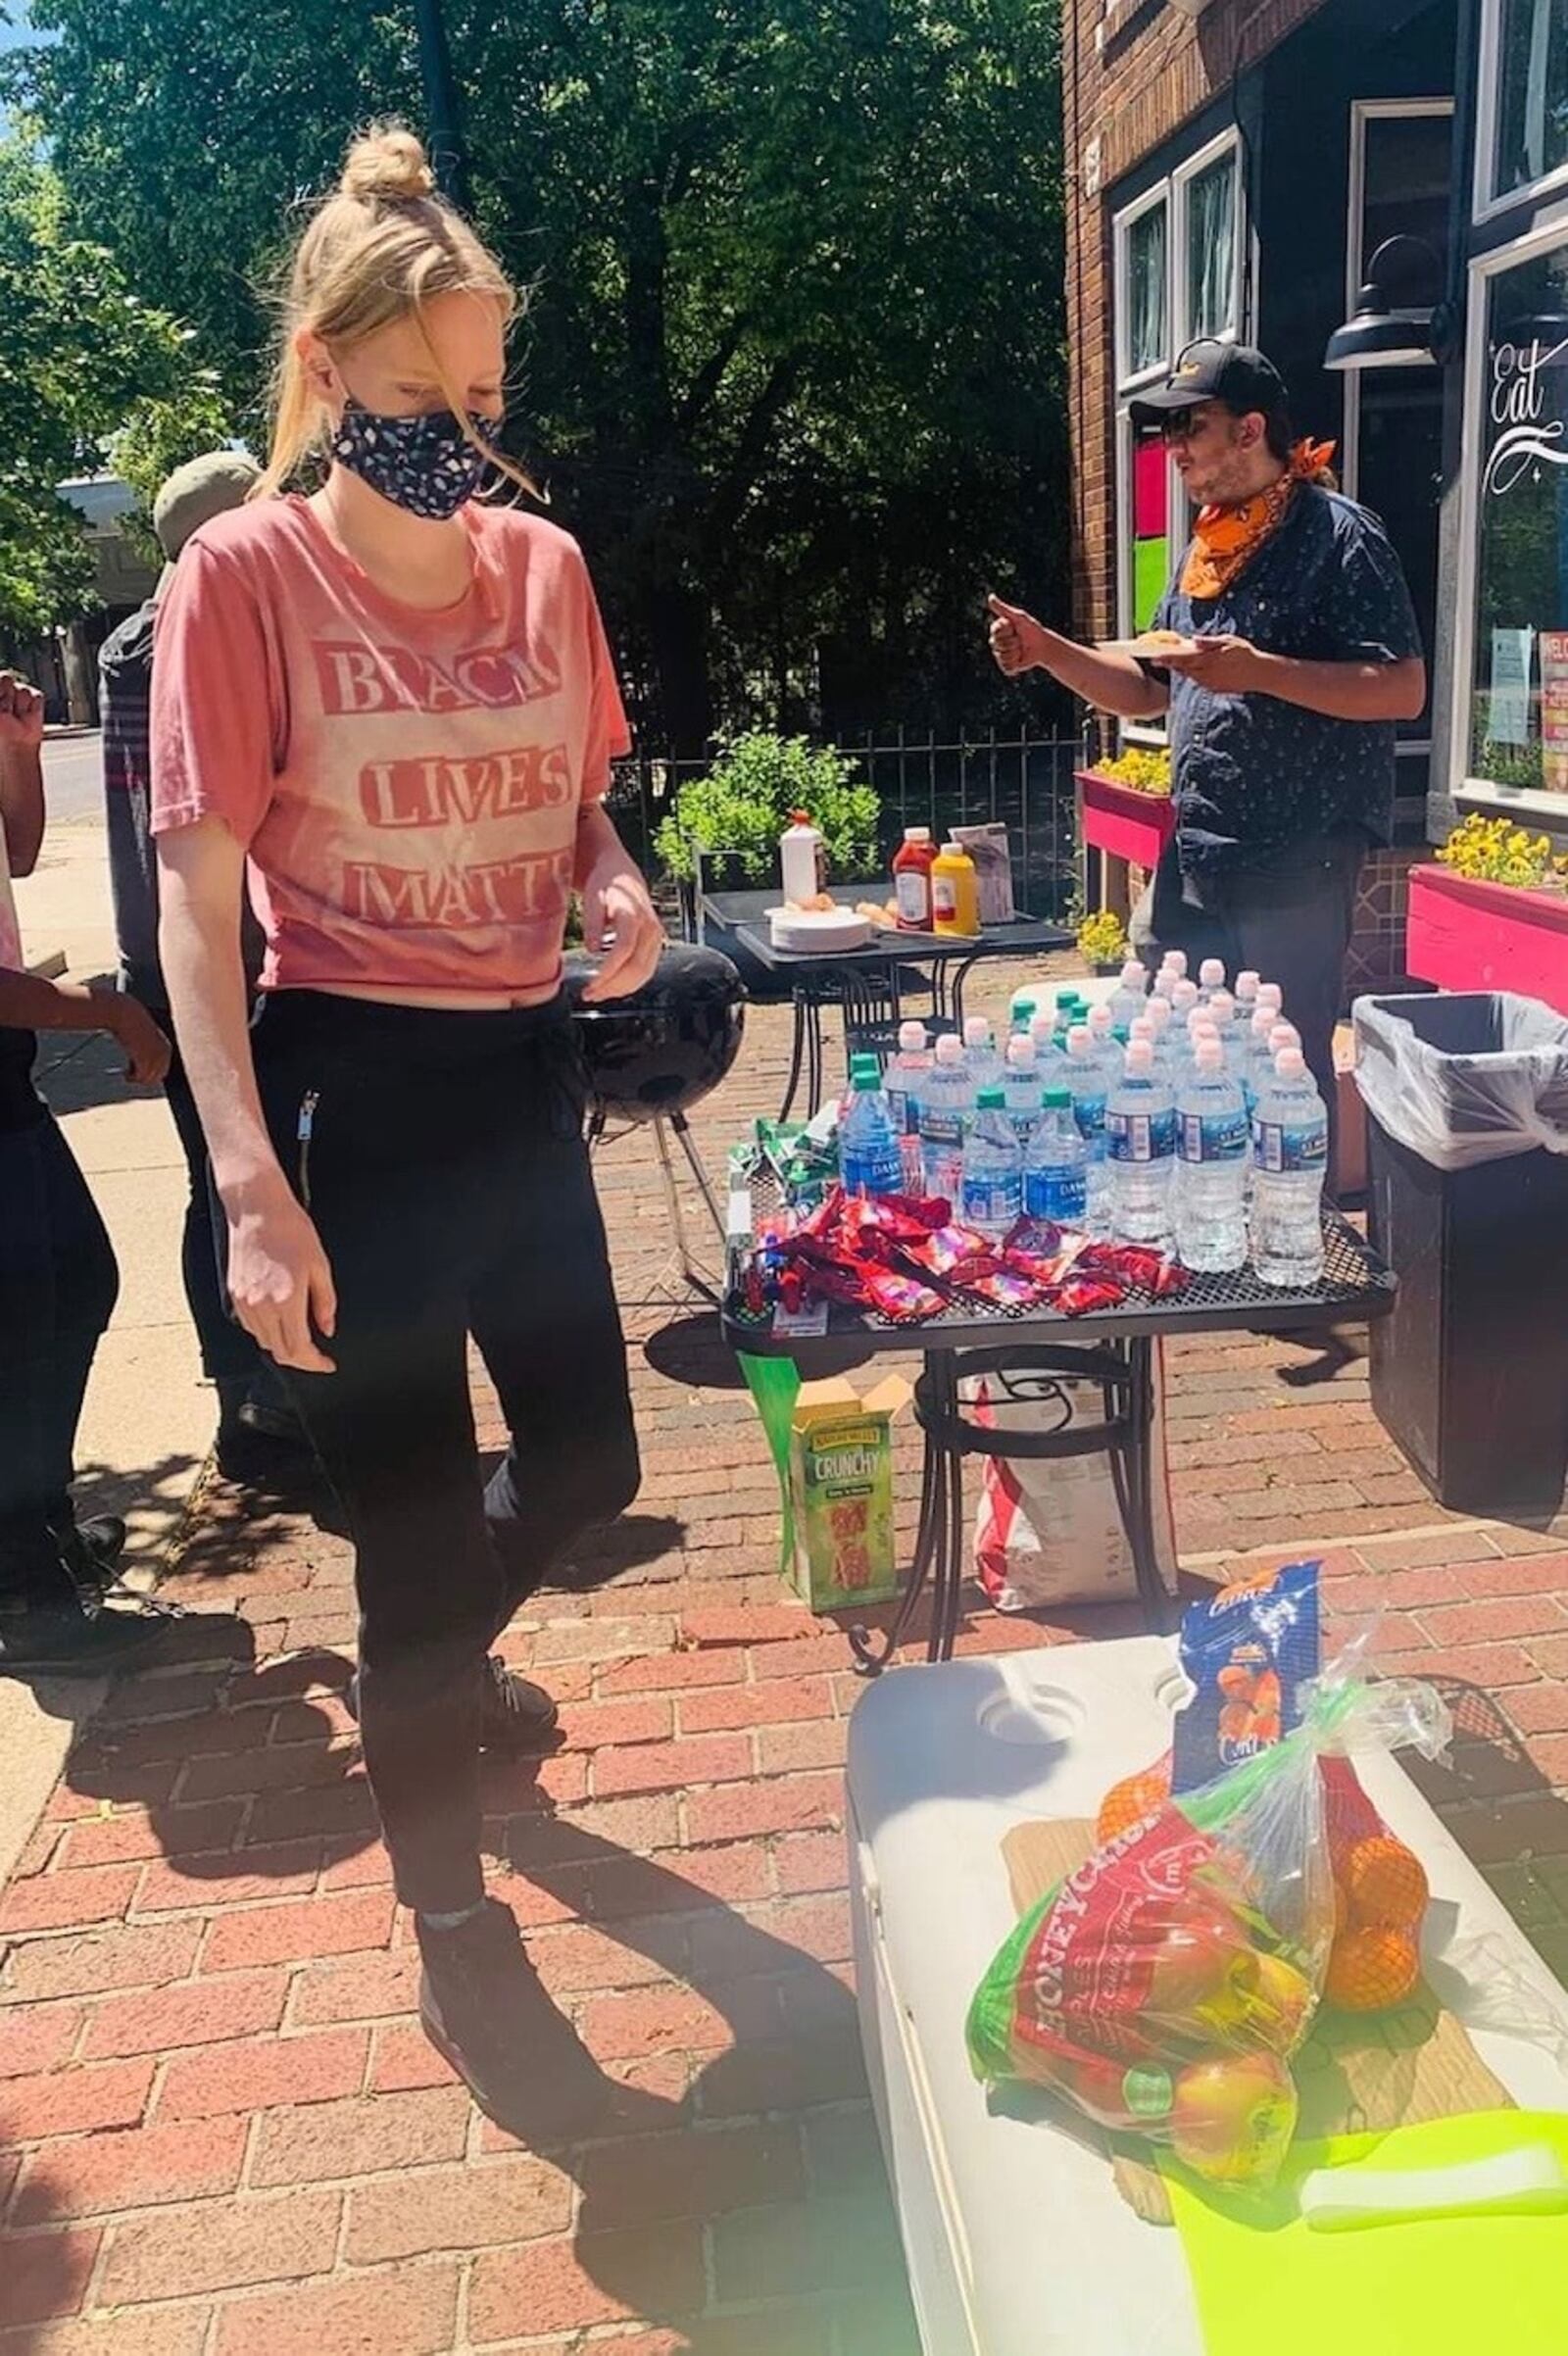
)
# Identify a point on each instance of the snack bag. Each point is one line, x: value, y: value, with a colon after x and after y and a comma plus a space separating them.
x: 1249, y: 1653
x: 1163, y: 1986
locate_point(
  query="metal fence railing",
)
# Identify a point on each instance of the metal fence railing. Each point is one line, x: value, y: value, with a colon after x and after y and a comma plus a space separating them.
x: 1023, y: 783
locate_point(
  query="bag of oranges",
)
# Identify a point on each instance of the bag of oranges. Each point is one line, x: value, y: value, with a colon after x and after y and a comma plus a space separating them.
x: 1163, y: 1986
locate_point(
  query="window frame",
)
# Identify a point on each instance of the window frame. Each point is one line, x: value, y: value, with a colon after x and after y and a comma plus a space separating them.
x: 1172, y: 191
x: 1486, y: 203
x: 1547, y: 235
x: 1365, y: 111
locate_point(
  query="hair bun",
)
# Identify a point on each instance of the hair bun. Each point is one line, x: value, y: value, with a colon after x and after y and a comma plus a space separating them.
x: 388, y: 163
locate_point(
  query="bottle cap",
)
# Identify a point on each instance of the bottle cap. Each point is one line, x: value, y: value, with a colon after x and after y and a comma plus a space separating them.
x: 1202, y: 1026
x: 1080, y: 1040
x: 1159, y: 1016
x: 1209, y: 1055
x: 1042, y: 1029
x: 976, y: 1031
x: 1211, y: 973
x: 1165, y: 981
x: 1269, y: 994
x: 950, y: 1050
x: 1247, y: 982
x: 799, y: 818
x: 1174, y: 961
x: 1066, y: 997
x: 1101, y: 1018
x: 1142, y: 1029
x: 1134, y: 975
x: 861, y: 1062
x: 1184, y: 997
x: 1222, y: 1006
x: 1120, y: 1034
x: 917, y: 834
x: 1141, y: 1057
x: 1291, y: 1063
x: 913, y: 1038
x: 1056, y: 1100
x: 1020, y: 1054
x: 954, y: 851
x: 1263, y: 1020
x: 1024, y: 1008
x: 990, y: 1100
x: 1284, y: 1034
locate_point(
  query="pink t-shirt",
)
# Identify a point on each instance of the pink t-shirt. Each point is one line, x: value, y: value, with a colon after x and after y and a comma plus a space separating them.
x: 406, y: 784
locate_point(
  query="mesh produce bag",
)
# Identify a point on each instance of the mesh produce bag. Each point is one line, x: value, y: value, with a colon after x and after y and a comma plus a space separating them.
x: 1163, y: 1986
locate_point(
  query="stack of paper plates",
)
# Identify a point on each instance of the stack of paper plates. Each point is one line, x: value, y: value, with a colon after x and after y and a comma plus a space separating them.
x: 817, y: 929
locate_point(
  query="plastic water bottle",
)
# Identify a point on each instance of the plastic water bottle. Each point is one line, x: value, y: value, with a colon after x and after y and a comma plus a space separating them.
x: 1281, y: 1036
x: 946, y: 1107
x: 992, y: 1194
x: 1126, y: 1000
x: 1247, y: 982
x: 1221, y: 1012
x: 1174, y: 961
x: 1165, y: 985
x: 1024, y: 1010
x: 870, y: 1159
x: 1089, y: 1080
x: 1100, y: 1022
x: 1210, y: 977
x: 980, y: 1057
x: 905, y: 1076
x: 1185, y: 998
x: 1270, y: 995
x: 1056, y: 1168
x: 1048, y: 1054
x: 1141, y: 1134
x: 1068, y: 1004
x: 1212, y: 1145
x: 1259, y: 1066
x: 1289, y: 1162
x: 1021, y: 1088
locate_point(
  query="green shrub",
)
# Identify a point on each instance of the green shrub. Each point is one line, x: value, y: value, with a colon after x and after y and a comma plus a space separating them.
x: 744, y: 804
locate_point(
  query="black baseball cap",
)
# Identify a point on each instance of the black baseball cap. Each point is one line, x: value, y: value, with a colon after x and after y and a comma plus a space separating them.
x: 1237, y: 375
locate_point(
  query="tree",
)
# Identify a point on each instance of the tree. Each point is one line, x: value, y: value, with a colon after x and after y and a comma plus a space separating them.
x: 792, y: 367
x: 79, y: 354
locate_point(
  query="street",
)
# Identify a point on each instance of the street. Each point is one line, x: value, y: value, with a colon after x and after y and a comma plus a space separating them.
x: 73, y: 786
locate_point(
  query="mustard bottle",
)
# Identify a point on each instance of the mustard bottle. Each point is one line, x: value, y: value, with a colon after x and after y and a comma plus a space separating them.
x: 954, y: 891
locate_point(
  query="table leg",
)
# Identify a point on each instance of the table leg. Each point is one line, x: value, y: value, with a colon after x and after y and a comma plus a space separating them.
x: 947, y: 1585
x: 1133, y: 1467
x: 872, y: 1652
x: 797, y: 1054
x: 814, y: 1057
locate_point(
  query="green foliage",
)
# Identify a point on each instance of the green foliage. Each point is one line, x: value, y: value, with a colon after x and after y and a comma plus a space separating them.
x: 79, y: 350
x: 793, y: 369
x: 160, y: 435
x: 744, y: 804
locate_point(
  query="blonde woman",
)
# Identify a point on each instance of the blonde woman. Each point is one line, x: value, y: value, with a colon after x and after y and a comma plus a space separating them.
x: 394, y: 699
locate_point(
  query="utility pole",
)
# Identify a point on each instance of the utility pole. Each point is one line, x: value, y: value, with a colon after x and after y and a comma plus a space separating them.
x: 447, y: 155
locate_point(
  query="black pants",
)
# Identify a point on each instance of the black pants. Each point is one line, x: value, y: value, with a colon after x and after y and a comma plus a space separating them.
x: 445, y: 1169
x: 1287, y: 914
x: 229, y: 1357
x: 58, y: 1287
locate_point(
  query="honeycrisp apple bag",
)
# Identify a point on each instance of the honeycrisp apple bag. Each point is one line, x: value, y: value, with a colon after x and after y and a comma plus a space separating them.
x: 1163, y: 1986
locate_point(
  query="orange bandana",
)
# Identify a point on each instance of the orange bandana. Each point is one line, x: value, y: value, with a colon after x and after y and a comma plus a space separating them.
x: 1224, y: 539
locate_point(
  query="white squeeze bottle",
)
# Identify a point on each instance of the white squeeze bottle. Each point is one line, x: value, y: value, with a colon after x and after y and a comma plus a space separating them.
x: 1211, y: 1167
x: 905, y: 1075
x: 1021, y: 1088
x: 945, y: 1103
x: 800, y: 853
x: 1289, y: 1162
x: 1141, y: 1132
x: 1126, y: 1000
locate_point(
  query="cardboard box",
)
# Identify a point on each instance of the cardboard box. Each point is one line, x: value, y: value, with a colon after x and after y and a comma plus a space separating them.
x: 841, y: 1494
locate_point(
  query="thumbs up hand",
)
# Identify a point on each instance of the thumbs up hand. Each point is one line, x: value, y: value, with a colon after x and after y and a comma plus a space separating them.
x: 1017, y: 641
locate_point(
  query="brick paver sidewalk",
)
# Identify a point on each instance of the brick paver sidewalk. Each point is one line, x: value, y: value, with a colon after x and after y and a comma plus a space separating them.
x: 222, y: 2133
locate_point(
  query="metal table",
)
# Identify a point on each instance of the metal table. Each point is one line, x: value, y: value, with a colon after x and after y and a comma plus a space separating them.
x: 864, y: 984
x: 1114, y: 1350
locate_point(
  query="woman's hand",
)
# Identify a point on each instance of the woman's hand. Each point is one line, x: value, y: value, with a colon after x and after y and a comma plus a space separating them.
x: 615, y: 900
x: 20, y: 712
x: 279, y: 1277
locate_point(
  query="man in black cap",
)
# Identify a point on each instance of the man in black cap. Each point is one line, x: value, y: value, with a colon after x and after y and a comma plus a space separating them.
x: 1292, y: 652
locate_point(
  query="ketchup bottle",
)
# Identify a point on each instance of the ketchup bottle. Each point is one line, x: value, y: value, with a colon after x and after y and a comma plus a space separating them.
x: 911, y: 879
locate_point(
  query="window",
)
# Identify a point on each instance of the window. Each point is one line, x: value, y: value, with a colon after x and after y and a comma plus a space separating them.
x: 1516, y: 725
x: 1524, y: 100
x: 1178, y: 275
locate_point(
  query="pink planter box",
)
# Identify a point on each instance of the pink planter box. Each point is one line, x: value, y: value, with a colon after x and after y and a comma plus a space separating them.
x: 1122, y: 823
x: 1466, y: 935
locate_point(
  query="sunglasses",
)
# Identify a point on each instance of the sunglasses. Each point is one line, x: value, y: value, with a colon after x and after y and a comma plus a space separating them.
x: 1185, y: 424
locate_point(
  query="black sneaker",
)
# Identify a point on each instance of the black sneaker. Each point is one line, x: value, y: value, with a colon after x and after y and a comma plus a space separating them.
x: 57, y: 1639
x: 482, y: 2007
x: 515, y: 1716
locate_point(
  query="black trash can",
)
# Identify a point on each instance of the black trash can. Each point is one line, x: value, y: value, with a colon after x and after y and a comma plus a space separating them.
x: 1467, y: 1126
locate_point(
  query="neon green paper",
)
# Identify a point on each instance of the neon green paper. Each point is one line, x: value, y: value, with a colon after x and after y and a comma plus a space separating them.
x: 1266, y: 2284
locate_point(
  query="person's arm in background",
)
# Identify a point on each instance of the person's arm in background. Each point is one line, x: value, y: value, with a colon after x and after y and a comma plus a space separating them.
x: 1111, y: 682
x: 215, y: 697
x: 27, y: 1003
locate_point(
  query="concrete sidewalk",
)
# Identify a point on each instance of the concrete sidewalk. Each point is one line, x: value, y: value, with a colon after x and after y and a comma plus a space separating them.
x: 148, y: 1422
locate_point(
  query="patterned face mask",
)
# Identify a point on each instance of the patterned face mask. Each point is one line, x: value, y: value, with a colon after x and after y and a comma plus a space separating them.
x: 426, y: 465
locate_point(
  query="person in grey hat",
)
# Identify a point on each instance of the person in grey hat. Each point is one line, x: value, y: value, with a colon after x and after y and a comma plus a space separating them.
x: 258, y: 1437
x: 1284, y: 651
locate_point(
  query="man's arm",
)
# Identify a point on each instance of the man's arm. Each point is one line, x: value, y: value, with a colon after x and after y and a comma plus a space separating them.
x: 1340, y: 691
x: 21, y: 771
x: 1111, y: 682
